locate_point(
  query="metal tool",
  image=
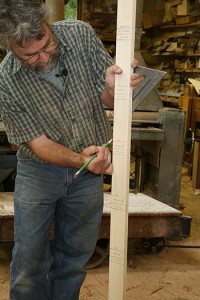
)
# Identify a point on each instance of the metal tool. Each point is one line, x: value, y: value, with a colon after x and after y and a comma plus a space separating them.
x: 151, y: 79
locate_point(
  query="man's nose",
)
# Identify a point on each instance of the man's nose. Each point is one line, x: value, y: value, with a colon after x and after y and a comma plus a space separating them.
x: 44, y: 57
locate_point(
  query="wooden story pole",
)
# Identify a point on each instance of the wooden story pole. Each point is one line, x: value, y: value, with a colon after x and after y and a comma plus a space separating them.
x: 125, y: 41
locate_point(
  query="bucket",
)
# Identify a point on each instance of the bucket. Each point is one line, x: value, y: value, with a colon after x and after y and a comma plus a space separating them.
x: 186, y: 225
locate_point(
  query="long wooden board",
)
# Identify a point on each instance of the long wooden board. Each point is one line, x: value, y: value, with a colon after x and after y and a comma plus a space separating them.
x: 125, y: 41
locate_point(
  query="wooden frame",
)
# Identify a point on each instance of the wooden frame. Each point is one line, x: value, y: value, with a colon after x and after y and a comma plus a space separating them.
x: 101, y: 15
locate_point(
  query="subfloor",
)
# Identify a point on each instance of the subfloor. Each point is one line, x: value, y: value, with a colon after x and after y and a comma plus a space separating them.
x: 172, y: 274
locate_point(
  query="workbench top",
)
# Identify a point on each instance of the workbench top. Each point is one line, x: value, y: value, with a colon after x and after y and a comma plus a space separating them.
x: 139, y: 204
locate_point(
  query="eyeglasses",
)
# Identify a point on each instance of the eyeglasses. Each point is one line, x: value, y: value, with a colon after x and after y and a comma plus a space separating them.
x: 35, y: 57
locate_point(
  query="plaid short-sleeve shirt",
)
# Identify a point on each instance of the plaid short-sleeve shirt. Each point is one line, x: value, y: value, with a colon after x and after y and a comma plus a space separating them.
x: 75, y: 117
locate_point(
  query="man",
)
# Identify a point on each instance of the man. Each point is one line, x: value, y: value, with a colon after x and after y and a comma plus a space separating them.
x: 54, y: 81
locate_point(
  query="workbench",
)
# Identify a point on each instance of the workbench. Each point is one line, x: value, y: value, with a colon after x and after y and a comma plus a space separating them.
x: 147, y: 217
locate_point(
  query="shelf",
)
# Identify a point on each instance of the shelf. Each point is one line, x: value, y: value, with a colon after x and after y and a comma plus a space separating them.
x: 188, y: 71
x: 174, y: 26
x: 196, y: 24
x: 168, y: 54
x: 177, y: 55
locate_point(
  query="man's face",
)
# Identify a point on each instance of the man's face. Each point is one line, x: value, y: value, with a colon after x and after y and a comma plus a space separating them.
x: 39, y: 55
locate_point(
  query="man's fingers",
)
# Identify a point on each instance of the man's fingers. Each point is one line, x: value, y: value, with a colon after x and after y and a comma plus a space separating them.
x: 109, y: 170
x: 113, y: 70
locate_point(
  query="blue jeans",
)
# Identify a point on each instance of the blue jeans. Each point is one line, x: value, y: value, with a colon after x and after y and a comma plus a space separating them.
x: 54, y: 270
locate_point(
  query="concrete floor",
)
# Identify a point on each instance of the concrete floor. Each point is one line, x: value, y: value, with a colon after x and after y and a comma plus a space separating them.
x: 172, y: 274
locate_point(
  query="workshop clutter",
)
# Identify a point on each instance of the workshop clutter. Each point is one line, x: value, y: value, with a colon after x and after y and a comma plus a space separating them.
x: 176, y: 53
x: 172, y: 12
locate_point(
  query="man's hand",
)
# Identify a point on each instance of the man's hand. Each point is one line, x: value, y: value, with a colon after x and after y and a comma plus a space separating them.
x: 102, y: 163
x: 108, y: 94
x: 135, y: 78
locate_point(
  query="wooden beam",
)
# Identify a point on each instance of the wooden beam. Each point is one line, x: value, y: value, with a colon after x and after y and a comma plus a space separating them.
x: 56, y: 10
x: 125, y: 41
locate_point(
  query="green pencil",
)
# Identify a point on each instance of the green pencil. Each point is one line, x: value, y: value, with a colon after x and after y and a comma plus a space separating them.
x: 89, y: 161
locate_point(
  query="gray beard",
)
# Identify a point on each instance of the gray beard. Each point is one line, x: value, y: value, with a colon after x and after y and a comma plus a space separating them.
x: 46, y: 67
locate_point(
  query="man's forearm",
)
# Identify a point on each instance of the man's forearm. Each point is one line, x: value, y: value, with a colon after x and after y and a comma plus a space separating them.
x: 54, y: 153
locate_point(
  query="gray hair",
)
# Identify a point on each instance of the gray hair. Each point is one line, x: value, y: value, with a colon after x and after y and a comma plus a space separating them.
x: 22, y: 21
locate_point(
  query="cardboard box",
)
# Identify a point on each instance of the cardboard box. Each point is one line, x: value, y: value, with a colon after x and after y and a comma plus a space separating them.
x: 182, y: 8
x: 185, y: 19
x: 153, y: 19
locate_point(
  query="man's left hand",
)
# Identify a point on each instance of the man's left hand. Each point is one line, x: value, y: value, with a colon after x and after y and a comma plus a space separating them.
x: 135, y: 79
